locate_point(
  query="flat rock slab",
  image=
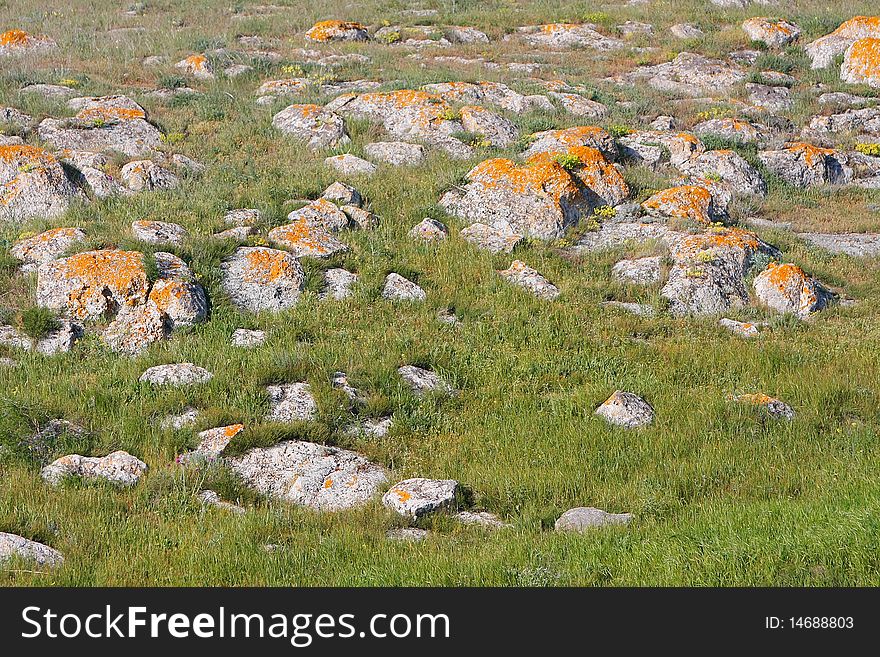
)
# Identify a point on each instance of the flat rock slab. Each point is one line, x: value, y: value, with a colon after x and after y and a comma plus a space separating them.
x: 176, y: 374
x: 583, y: 518
x: 13, y: 545
x: 859, y: 245
x: 312, y: 475
x: 418, y: 497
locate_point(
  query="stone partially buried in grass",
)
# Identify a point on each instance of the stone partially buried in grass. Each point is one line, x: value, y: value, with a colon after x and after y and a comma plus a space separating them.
x: 15, y: 546
x: 159, y: 232
x: 120, y: 468
x: 312, y: 475
x: 259, y: 278
x: 176, y: 374
x: 398, y: 288
x: 212, y: 442
x: 583, y: 518
x: 291, y: 402
x: 422, y: 381
x: 313, y: 125
x: 521, y: 275
x: 776, y: 408
x: 418, y: 497
x: 626, y: 409
x: 489, y: 238
x: 45, y: 247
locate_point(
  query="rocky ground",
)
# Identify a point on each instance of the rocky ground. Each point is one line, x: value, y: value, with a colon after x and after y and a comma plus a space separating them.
x: 486, y: 293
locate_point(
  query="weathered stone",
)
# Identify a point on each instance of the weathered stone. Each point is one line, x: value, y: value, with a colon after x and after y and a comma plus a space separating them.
x: 398, y: 288
x: 861, y: 63
x: 556, y: 36
x: 520, y: 274
x: 804, y: 165
x: 465, y: 35
x: 45, y: 247
x: 338, y: 283
x: 159, y: 232
x: 321, y: 214
x: 187, y: 417
x: 198, y: 66
x: 731, y: 168
x: 247, y: 338
x: 692, y: 202
x: 212, y: 442
x: 823, y: 50
x: 13, y: 546
x: 259, y: 278
x: 303, y: 238
x: 735, y: 129
x: 212, y: 498
x: 688, y: 75
x: 308, y: 474
x: 350, y: 165
x: 641, y: 271
x: 176, y: 374
x: 560, y: 141
x: 585, y: 518
x: 147, y: 176
x: 134, y: 330
x: 18, y: 42
x: 686, y: 31
x: 493, y: 128
x: 118, y: 467
x: 858, y: 245
x: 653, y: 147
x: 313, y: 125
x: 626, y: 409
x: 422, y: 381
x: 342, y: 194
x: 396, y: 153
x: 429, y: 230
x: 32, y: 184
x: 787, y: 288
x: 481, y: 518
x: 57, y: 341
x: 335, y: 30
x: 742, y: 329
x: 774, y: 33
x: 407, y: 534
x: 418, y: 497
x: 578, y: 105
x: 291, y: 402
x: 494, y: 240
x: 243, y: 217
x: 775, y: 408
x: 768, y: 98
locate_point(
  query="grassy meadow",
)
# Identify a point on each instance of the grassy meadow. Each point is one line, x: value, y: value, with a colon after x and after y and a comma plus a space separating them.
x: 721, y: 494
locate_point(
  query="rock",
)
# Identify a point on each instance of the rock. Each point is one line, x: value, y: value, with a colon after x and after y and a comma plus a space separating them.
x: 585, y: 518
x: 372, y: 428
x: 32, y: 184
x: 688, y: 75
x: 7, y: 362
x: 481, y: 518
x: 159, y: 232
x: 338, y: 283
x: 787, y: 288
x: 638, y: 309
x: 57, y: 341
x: 641, y: 271
x: 709, y: 271
x: 861, y: 62
x: 109, y: 123
x: 185, y: 418
x: 291, y: 402
x: 556, y: 36
x: 212, y: 498
x: 839, y: 99
x: 407, y: 534
x: 118, y: 467
x: 742, y: 329
x: 520, y: 274
x: 418, y: 497
x: 303, y: 238
x: 429, y: 230
x: 615, y: 235
x: 731, y: 168
x: 823, y: 50
x: 339, y: 381
x: 212, y: 442
x: 686, y: 31
x: 804, y: 165
x: 398, y: 288
x: 11, y: 117
x: 770, y: 99
x: 13, y: 546
x: 307, y: 474
x: 147, y: 176
x: 653, y: 147
x: 692, y: 202
x: 271, y: 90
x: 321, y: 214
x: 493, y: 129
x: 313, y: 125
x: 236, y: 70
x: 176, y: 374
x: 482, y: 93
x: 93, y: 283
x: 45, y: 247
x: 247, y: 338
x: 334, y: 30
x: 359, y: 217
x: 865, y: 120
x: 19, y: 42
x: 774, y: 33
x: 236, y: 234
x: 350, y: 165
x: 858, y: 245
x: 396, y: 153
x: 243, y: 217
x: 343, y: 194
x: 578, y: 105
x: 197, y: 66
x: 176, y: 294
x: 776, y: 408
x: 466, y: 35
x: 734, y: 129
x: 626, y: 409
x: 422, y: 381
x: 489, y: 238
x: 47, y: 91
x: 259, y: 278
x: 561, y: 141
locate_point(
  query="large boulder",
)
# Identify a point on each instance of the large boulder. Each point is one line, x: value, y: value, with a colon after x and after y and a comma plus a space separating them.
x: 861, y: 63
x: 175, y: 374
x: 32, y: 184
x: 312, y: 475
x: 655, y: 147
x: 691, y: 202
x: 805, y: 165
x: 259, y: 278
x: 315, y: 126
x: 729, y: 167
x: 45, y: 247
x: 774, y: 33
x: 823, y: 50
x: 688, y: 75
x: 19, y: 42
x: 291, y: 402
x: 787, y: 288
x: 562, y: 140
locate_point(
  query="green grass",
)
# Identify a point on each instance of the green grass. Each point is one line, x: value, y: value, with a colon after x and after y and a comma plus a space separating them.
x: 720, y: 494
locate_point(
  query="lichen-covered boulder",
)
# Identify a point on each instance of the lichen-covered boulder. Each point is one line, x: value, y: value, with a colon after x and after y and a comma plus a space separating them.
x: 259, y: 278
x: 312, y: 475
x: 118, y: 467
x: 109, y: 123
x: 90, y: 284
x: 422, y: 381
x: 774, y: 33
x: 399, y: 288
x: 688, y: 75
x: 57, y: 341
x: 521, y: 275
x: 315, y: 126
x: 15, y: 546
x: 626, y: 409
x: 562, y: 140
x: 482, y: 93
x: 493, y: 128
x: 709, y: 270
x: 429, y: 230
x: 804, y: 165
x: 823, y: 50
x: 158, y: 232
x: 19, y: 42
x: 787, y: 288
x: 735, y: 129
x: 395, y: 153
x: 418, y: 497
x: 212, y: 442
x: 729, y: 167
x: 146, y: 175
x: 304, y: 238
x: 135, y: 329
x: 768, y: 98
x: 32, y: 184
x: 692, y: 202
x: 45, y: 247
x: 861, y: 63
x: 490, y: 238
x: 579, y: 105
x: 640, y: 271
x: 350, y: 165
x: 557, y: 36
x: 653, y: 147
x: 198, y: 66
x: 335, y: 30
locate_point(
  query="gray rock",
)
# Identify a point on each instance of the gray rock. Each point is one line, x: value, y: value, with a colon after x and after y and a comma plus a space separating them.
x: 176, y: 374
x: 395, y: 153
x: 33, y: 184
x: 489, y: 238
x: 731, y: 168
x: 407, y: 534
x: 481, y: 518
x: 398, y: 288
x: 118, y: 467
x: 258, y: 279
x: 429, y: 230
x: 15, y: 546
x: 771, y: 32
x: 247, y: 338
x: 859, y: 245
x: 418, y: 497
x: 641, y: 271
x: 243, y: 217
x: 309, y: 123
x: 212, y: 498
x: 351, y: 165
x: 585, y: 518
x: 562, y: 36
x: 787, y: 288
x: 626, y: 409
x: 521, y: 275
x: 686, y: 31
x: 189, y: 416
x: 422, y: 381
x: 342, y: 194
x: 493, y: 128
x: 775, y: 408
x: 338, y: 283
x: 770, y: 99
x: 804, y: 165
x: 308, y: 474
x: 291, y: 402
x: 823, y: 50
x: 159, y: 232
x: 147, y: 176
x: 742, y: 329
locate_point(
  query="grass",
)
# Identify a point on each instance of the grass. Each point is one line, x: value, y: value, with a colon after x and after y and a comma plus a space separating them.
x: 720, y: 494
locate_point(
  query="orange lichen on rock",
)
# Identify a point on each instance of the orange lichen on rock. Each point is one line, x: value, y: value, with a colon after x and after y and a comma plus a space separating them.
x: 685, y: 202
x: 302, y: 234
x: 14, y: 38
x: 267, y: 265
x: 809, y: 152
x: 196, y: 62
x: 592, y: 168
x: 721, y: 239
x: 550, y: 28
x: 783, y: 275
x: 21, y: 154
x: 539, y: 174
x: 858, y: 25
x: 861, y: 62
x: 402, y: 495
x: 326, y: 30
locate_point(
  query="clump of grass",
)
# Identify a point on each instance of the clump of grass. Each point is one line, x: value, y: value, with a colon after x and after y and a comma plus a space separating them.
x: 38, y: 322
